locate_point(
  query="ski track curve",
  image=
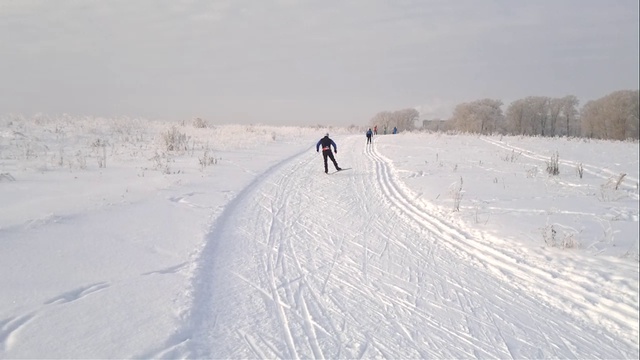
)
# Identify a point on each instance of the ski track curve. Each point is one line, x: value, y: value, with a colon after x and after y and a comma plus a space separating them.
x: 568, y: 290
x: 304, y: 265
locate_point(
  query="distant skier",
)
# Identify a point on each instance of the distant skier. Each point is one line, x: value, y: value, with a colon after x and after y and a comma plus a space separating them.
x: 395, y: 130
x: 369, y: 135
x: 326, y: 143
x: 375, y: 130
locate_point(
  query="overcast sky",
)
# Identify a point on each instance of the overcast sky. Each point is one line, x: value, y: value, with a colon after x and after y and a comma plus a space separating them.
x: 331, y: 62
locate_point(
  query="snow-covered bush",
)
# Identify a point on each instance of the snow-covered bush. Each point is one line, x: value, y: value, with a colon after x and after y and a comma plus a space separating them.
x: 556, y: 235
x: 199, y: 123
x: 553, y: 165
x: 174, y: 140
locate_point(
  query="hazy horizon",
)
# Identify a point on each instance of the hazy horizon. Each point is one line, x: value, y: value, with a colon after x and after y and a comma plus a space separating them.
x: 285, y: 62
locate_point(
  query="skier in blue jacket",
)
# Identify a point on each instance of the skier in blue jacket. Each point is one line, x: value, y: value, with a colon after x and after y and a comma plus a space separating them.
x: 369, y: 135
x: 326, y: 143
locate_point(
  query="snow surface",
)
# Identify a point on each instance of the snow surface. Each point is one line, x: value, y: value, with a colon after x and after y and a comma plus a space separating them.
x: 428, y: 246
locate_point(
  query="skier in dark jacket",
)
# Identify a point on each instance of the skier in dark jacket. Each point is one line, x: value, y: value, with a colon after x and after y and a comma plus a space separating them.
x: 369, y: 135
x: 326, y: 143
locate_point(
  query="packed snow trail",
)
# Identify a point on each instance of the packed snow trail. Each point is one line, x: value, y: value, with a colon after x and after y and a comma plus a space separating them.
x: 305, y: 265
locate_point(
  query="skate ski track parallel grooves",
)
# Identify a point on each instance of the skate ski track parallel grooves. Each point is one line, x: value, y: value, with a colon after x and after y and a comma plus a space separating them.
x: 505, y: 264
x: 355, y: 266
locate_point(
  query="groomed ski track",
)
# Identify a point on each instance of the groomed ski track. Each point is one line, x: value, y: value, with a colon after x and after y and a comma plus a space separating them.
x: 304, y: 265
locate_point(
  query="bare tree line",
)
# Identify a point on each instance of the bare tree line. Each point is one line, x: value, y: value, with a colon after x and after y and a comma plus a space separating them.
x: 402, y: 119
x: 614, y: 116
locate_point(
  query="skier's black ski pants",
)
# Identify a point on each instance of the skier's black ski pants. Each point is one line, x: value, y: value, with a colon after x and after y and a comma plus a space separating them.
x: 328, y: 154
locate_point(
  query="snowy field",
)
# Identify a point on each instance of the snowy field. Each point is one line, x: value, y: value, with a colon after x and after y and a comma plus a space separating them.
x: 127, y: 238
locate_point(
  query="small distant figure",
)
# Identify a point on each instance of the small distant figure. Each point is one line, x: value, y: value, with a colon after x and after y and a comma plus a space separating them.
x: 385, y: 130
x: 375, y: 130
x: 369, y: 135
x: 326, y: 143
x: 395, y: 130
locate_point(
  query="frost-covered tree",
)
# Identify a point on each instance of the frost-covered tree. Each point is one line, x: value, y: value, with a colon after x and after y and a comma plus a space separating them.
x: 382, y: 119
x: 542, y: 115
x: 591, y: 117
x: 539, y: 114
x: 405, y: 119
x: 614, y: 116
x: 516, y: 119
x: 555, y: 109
x: 402, y: 119
x: 480, y: 116
x: 569, y: 114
